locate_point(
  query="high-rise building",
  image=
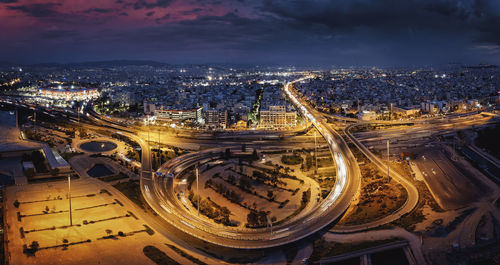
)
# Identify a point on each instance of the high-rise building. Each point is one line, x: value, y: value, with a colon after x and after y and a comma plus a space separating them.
x: 178, y: 115
x: 69, y: 93
x: 277, y: 118
x: 215, y: 119
x: 149, y: 108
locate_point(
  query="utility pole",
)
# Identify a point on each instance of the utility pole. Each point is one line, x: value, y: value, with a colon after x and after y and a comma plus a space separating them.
x: 388, y: 176
x: 390, y: 112
x: 159, y: 149
x: 69, y: 198
x: 270, y: 223
x: 315, y: 153
x: 147, y: 124
x: 17, y: 119
x: 34, y: 123
x: 197, y: 188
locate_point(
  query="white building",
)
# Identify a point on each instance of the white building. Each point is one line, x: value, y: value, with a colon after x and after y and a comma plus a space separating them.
x: 69, y: 93
x: 277, y: 118
x: 178, y: 115
x: 149, y: 108
x: 215, y: 119
x: 367, y: 115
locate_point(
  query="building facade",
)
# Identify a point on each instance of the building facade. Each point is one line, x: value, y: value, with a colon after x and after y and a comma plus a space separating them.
x: 215, y: 119
x: 367, y: 115
x: 69, y: 94
x: 277, y: 118
x: 178, y: 115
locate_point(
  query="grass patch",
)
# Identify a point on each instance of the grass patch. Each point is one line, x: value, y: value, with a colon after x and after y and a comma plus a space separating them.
x: 294, y: 159
x: 324, y: 249
x: 157, y: 256
x: 132, y: 190
x: 118, y: 176
x: 488, y: 140
x: 379, y: 197
x: 186, y: 255
x: 68, y: 155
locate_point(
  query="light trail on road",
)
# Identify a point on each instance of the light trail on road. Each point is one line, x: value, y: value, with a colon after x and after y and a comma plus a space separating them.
x: 162, y: 199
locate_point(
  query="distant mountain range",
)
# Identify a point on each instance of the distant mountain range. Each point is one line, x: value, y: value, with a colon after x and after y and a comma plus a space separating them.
x: 120, y: 63
x: 113, y: 63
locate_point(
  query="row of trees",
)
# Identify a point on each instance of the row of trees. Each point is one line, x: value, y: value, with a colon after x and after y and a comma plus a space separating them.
x: 220, y: 214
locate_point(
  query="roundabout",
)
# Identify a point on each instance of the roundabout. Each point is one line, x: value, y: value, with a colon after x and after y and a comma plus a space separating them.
x: 98, y: 146
x: 158, y: 189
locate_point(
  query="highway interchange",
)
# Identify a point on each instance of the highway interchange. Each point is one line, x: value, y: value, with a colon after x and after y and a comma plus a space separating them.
x: 157, y: 187
x: 158, y: 191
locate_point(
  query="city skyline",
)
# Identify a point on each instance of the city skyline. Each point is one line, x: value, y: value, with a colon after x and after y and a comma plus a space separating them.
x: 250, y: 132
x: 254, y: 32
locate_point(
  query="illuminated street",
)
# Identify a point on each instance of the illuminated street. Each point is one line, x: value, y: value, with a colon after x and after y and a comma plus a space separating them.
x: 250, y: 132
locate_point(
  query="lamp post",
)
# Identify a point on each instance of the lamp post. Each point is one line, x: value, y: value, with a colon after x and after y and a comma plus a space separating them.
x: 315, y: 153
x: 69, y: 198
x: 198, y: 188
x: 147, y: 125
x: 159, y: 147
x: 388, y: 176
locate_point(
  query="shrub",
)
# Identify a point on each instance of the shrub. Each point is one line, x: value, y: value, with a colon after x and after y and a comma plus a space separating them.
x: 294, y: 159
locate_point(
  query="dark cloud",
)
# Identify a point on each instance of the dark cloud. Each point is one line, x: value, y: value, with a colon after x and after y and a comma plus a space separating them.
x: 193, y: 11
x: 37, y: 10
x: 8, y: 1
x: 162, y: 19
x: 99, y: 10
x: 345, y: 32
x: 392, y: 15
x: 58, y: 34
x: 149, y: 5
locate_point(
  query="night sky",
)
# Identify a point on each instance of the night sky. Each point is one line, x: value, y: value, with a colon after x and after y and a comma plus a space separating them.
x: 300, y: 32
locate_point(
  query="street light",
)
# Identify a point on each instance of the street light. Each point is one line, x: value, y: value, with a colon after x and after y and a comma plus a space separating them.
x: 388, y: 176
x: 315, y: 153
x: 159, y: 146
x: 69, y: 198
x: 198, y: 188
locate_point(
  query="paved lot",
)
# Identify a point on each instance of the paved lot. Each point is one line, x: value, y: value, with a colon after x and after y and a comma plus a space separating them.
x: 8, y: 130
x: 96, y: 214
x: 451, y: 187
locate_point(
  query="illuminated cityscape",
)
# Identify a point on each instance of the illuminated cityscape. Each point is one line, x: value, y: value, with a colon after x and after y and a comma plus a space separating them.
x: 250, y: 132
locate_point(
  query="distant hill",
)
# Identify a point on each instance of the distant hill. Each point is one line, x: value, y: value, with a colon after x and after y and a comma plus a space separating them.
x: 5, y: 64
x: 113, y: 63
x: 481, y: 66
x: 116, y: 63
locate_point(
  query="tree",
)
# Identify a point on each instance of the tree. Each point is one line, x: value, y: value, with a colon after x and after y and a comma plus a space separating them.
x: 255, y: 156
x: 231, y: 179
x: 30, y: 172
x: 244, y: 182
x: 252, y: 218
x: 54, y: 171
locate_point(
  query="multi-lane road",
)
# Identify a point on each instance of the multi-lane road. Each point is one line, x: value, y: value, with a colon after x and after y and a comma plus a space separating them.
x: 159, y: 193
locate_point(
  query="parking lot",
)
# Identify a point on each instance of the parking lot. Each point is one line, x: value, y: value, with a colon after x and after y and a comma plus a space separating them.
x: 451, y: 187
x: 103, y: 225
